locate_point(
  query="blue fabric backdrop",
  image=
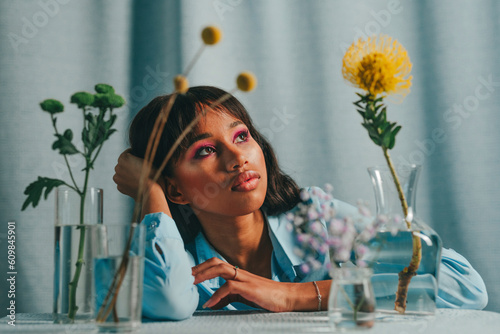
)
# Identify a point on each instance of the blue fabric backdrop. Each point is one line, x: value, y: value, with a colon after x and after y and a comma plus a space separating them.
x: 53, y: 48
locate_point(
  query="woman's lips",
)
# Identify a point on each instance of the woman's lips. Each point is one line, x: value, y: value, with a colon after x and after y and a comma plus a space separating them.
x: 246, y: 181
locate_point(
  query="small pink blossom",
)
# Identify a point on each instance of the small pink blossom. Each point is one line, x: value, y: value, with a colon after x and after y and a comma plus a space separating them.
x: 304, y: 195
x: 317, y: 227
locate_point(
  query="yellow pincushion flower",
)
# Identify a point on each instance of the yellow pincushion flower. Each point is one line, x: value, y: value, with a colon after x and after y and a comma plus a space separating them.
x: 211, y: 35
x: 246, y: 81
x: 378, y: 65
x: 181, y: 84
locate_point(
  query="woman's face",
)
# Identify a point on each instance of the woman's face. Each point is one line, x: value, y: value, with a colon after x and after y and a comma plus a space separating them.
x: 223, y: 171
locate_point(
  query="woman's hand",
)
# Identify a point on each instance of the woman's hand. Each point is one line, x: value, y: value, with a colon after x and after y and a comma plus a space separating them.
x: 127, y: 174
x: 245, y: 287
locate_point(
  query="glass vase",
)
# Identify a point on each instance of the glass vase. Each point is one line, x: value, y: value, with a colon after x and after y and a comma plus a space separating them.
x: 73, y: 254
x: 118, y: 276
x: 351, y: 304
x: 396, y: 245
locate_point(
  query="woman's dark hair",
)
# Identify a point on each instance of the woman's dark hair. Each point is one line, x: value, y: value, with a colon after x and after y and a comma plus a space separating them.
x: 282, y: 191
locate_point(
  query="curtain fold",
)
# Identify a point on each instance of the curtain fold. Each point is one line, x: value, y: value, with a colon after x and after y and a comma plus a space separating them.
x: 53, y: 48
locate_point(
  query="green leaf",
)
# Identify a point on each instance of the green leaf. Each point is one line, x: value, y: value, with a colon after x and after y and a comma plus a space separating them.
x: 68, y: 134
x: 381, y: 118
x: 392, y: 142
x: 376, y: 140
x: 371, y: 131
x: 90, y: 134
x: 35, y: 189
x: 396, y: 130
x: 370, y: 112
x: 386, y: 139
x: 82, y: 99
x: 52, y: 106
x: 63, y: 143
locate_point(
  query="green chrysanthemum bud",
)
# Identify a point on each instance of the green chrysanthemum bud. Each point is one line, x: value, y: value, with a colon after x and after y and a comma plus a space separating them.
x: 116, y: 101
x: 101, y: 101
x: 104, y: 89
x: 104, y: 101
x: 82, y: 99
x: 52, y: 106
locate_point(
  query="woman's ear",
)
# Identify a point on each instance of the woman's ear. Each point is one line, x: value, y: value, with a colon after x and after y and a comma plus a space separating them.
x: 173, y: 193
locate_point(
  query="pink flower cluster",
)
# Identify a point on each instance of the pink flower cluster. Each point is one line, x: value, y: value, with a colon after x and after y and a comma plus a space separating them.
x: 319, y: 231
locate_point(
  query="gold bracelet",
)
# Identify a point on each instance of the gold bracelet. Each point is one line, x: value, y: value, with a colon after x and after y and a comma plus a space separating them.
x: 319, y: 295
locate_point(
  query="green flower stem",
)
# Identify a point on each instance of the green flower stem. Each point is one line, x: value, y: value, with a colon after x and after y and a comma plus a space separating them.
x: 73, y: 285
x: 401, y: 194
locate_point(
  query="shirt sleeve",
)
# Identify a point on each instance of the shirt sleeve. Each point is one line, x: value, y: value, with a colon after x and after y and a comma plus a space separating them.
x: 460, y: 286
x: 169, y: 292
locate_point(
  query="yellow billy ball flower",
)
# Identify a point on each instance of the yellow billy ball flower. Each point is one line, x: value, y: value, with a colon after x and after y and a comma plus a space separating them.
x: 378, y: 65
x: 181, y: 84
x: 246, y: 81
x: 211, y: 35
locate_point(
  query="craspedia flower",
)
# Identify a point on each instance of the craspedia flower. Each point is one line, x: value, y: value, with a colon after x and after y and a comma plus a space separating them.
x: 52, y: 106
x: 181, y: 84
x: 378, y: 65
x: 246, y: 81
x: 211, y: 35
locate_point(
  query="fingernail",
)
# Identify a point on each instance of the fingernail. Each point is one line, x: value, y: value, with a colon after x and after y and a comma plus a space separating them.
x: 205, y: 305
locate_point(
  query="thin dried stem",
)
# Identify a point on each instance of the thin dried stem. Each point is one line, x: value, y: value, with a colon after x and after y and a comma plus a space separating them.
x: 194, y: 60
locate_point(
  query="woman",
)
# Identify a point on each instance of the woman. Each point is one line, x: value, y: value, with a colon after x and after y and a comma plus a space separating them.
x: 216, y: 221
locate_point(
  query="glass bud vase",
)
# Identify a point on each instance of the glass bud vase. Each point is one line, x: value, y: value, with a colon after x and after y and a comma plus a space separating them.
x: 351, y: 304
x: 396, y: 245
x: 73, y: 254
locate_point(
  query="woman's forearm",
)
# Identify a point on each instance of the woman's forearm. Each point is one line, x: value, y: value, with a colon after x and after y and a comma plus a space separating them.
x: 305, y: 296
x: 155, y: 201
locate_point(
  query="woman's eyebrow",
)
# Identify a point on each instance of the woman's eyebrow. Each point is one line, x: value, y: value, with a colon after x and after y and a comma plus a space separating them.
x: 232, y: 125
x: 198, y: 138
x: 208, y: 134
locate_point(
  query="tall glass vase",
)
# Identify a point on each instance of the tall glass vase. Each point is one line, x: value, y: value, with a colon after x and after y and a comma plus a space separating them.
x: 396, y: 245
x: 73, y: 254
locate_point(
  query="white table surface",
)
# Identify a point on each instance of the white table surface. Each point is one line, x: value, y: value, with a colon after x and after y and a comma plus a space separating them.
x: 445, y: 321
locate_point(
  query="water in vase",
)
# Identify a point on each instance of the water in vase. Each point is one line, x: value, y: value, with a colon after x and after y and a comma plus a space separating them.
x: 390, y: 254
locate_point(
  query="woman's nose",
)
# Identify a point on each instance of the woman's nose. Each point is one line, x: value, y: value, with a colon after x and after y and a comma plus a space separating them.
x: 236, y: 159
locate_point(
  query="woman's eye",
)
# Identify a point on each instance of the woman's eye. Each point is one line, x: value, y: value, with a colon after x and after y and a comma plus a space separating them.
x: 204, y: 151
x: 241, y: 137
